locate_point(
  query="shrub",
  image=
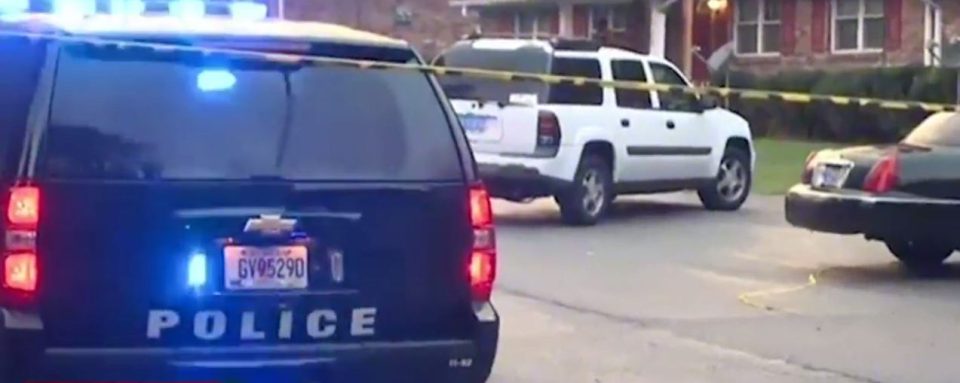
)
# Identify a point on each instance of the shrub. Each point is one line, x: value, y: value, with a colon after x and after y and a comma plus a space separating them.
x: 826, y: 121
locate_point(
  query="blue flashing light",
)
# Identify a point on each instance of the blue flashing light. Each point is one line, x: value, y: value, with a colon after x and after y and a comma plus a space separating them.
x: 8, y: 7
x: 74, y: 8
x: 127, y: 7
x: 248, y: 11
x: 216, y: 80
x: 188, y: 9
x: 197, y: 270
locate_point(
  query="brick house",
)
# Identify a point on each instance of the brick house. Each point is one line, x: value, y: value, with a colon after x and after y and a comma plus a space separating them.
x: 430, y: 25
x: 841, y: 33
x: 767, y: 35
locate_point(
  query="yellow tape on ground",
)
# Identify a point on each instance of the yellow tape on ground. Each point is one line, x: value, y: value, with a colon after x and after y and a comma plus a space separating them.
x: 755, y: 94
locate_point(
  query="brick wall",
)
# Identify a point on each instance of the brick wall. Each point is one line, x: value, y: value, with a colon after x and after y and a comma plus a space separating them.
x: 811, y: 48
x: 434, y: 24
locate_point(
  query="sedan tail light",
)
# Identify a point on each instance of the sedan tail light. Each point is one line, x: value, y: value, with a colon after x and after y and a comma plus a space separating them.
x: 884, y: 176
x: 808, y: 164
x: 482, y: 266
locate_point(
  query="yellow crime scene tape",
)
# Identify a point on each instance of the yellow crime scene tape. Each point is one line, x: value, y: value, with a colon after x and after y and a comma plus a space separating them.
x: 504, y: 76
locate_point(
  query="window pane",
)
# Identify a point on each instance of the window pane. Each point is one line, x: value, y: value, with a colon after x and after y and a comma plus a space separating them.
x: 846, y: 34
x: 600, y: 14
x: 619, y: 18
x: 874, y: 31
x: 747, y: 39
x: 848, y: 8
x: 771, y: 10
x: 663, y: 74
x: 873, y: 7
x: 572, y: 94
x: 749, y: 10
x: 544, y: 22
x: 631, y: 71
x: 938, y: 129
x: 771, y: 38
x: 105, y: 127
x: 525, y: 23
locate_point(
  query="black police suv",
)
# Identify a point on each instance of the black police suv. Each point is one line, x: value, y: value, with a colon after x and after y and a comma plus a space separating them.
x: 905, y: 194
x: 173, y: 215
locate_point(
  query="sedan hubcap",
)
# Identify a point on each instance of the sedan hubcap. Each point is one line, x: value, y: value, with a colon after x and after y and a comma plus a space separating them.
x: 593, y: 196
x: 733, y: 180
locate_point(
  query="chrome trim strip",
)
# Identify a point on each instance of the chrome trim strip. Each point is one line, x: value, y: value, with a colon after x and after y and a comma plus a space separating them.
x: 807, y: 191
x: 18, y: 320
x: 259, y: 363
x: 160, y: 351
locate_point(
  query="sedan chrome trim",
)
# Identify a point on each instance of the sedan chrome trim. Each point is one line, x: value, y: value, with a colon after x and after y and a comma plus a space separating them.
x: 870, y: 199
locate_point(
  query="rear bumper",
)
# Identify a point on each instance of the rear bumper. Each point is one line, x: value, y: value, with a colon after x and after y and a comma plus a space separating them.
x: 518, y: 177
x: 454, y: 360
x: 517, y: 182
x: 878, y: 217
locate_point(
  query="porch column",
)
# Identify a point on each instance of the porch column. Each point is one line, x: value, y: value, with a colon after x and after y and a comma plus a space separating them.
x: 566, y: 20
x: 687, y: 44
x: 658, y: 29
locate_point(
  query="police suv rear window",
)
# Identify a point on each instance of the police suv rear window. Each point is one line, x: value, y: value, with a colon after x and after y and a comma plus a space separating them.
x: 146, y: 115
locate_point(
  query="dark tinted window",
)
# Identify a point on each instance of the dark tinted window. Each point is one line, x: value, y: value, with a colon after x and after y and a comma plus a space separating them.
x: 941, y: 129
x: 676, y: 100
x: 21, y: 62
x: 144, y: 116
x: 525, y: 60
x: 573, y: 94
x: 631, y: 71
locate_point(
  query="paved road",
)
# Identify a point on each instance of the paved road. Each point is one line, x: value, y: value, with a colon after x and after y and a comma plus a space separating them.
x: 668, y: 292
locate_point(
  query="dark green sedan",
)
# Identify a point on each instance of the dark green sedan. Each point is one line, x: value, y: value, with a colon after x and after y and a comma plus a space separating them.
x: 905, y: 194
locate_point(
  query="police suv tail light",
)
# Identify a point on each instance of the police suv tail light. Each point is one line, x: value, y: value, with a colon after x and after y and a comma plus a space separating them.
x: 482, y: 266
x: 548, y: 133
x: 884, y: 176
x: 20, y: 269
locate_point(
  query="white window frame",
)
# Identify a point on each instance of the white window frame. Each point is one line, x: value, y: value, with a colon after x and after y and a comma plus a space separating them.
x: 758, y: 24
x: 861, y: 32
x: 539, y: 29
x: 610, y: 15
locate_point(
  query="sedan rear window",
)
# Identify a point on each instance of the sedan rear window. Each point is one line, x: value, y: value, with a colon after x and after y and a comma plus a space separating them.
x: 940, y: 129
x: 145, y: 115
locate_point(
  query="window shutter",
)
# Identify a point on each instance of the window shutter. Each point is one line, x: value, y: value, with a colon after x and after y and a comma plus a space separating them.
x: 788, y: 27
x: 819, y: 27
x: 893, y: 12
x: 581, y: 21
x: 555, y: 21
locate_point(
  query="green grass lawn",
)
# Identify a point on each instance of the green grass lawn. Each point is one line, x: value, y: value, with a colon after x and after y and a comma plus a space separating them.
x: 780, y: 162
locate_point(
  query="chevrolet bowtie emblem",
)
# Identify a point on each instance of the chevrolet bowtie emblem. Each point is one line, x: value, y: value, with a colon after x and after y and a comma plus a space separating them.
x: 270, y: 224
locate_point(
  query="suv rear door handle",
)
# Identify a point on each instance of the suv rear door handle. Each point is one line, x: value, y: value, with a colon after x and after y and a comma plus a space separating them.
x: 624, y: 122
x: 671, y: 125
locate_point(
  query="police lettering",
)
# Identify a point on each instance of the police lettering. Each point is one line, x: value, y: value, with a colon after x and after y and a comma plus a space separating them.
x: 213, y: 325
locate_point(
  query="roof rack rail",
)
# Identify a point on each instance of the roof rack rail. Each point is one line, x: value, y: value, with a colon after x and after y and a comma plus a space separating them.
x: 558, y: 42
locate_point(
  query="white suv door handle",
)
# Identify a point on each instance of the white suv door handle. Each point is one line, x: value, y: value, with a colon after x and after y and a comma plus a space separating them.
x: 624, y: 123
x: 671, y: 124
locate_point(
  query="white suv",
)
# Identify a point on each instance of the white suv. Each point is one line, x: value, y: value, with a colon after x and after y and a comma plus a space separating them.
x: 585, y: 144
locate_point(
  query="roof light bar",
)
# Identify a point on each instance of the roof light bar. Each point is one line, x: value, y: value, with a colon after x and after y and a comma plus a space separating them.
x: 188, y: 9
x: 248, y: 10
x: 74, y: 8
x: 8, y: 7
x: 127, y: 7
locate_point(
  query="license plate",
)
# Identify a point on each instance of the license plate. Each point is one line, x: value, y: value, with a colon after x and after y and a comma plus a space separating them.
x: 265, y: 268
x: 830, y: 175
x: 481, y: 127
